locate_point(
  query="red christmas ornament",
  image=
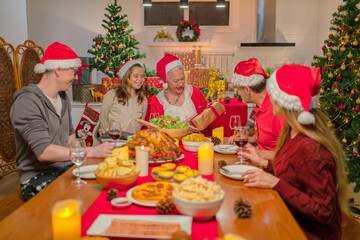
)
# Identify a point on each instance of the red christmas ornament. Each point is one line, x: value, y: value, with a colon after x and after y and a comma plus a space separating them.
x: 323, y: 69
x: 342, y: 28
x: 116, y: 47
x: 184, y: 21
x: 341, y: 107
x: 128, y: 59
x: 355, y: 154
x: 123, y: 28
x: 339, y: 77
x: 350, y: 67
x: 133, y: 38
x: 182, y: 24
x: 323, y: 48
x: 356, y: 109
x: 97, y: 42
x: 188, y: 23
x: 106, y: 58
x: 331, y: 35
x: 329, y: 44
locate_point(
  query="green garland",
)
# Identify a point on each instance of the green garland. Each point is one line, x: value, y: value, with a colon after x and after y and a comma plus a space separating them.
x: 187, y: 25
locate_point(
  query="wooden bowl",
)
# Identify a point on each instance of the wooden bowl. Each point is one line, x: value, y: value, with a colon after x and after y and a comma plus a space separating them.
x: 120, y: 183
x: 178, y: 133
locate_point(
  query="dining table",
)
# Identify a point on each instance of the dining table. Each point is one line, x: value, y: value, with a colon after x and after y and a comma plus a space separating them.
x: 271, y: 218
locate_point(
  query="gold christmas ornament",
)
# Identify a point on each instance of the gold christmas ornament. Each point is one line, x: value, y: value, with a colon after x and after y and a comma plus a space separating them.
x: 339, y: 8
x: 346, y: 120
x: 344, y: 140
x: 349, y: 55
x: 342, y: 67
x: 355, y: 43
x: 358, y: 101
x: 347, y: 37
x: 336, y: 90
x: 356, y: 19
x: 329, y: 54
x: 322, y: 90
x: 342, y: 49
x: 332, y: 21
x: 330, y: 75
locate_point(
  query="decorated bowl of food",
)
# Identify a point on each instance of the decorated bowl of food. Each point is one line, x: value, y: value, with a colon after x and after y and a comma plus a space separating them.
x: 117, y: 172
x: 198, y: 197
x: 171, y: 126
x: 192, y: 142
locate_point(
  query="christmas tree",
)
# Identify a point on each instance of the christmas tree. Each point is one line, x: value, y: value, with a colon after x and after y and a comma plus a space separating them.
x: 339, y: 92
x: 117, y: 46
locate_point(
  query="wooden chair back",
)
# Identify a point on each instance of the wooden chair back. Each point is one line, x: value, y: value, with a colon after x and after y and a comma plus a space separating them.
x: 27, y: 56
x: 8, y: 86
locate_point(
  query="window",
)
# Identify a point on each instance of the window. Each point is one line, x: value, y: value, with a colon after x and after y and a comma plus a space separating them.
x: 163, y: 13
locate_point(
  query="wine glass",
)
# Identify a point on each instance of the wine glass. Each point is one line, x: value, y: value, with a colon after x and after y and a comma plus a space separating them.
x: 78, y: 156
x: 234, y: 122
x: 241, y: 139
x: 114, y: 130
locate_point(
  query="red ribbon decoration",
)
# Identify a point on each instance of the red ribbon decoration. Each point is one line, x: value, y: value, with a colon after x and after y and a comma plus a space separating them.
x: 80, y: 69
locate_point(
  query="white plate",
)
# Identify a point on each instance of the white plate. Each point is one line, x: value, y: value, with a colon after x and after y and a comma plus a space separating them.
x: 237, y: 171
x: 103, y: 221
x: 118, y: 143
x: 226, y: 149
x: 86, y: 172
x: 130, y: 197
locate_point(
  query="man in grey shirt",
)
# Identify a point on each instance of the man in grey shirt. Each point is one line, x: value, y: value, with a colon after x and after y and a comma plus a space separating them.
x: 41, y: 117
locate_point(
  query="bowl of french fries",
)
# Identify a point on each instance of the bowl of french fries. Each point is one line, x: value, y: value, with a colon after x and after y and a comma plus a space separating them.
x: 198, y: 197
x: 117, y: 171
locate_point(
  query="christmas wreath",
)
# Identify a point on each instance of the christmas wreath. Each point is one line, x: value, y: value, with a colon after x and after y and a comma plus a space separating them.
x: 188, y: 25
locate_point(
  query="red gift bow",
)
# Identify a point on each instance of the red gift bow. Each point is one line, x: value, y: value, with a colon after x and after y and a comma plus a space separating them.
x: 80, y: 71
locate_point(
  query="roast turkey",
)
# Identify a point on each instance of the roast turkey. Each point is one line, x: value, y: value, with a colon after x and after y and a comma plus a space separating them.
x: 157, y: 141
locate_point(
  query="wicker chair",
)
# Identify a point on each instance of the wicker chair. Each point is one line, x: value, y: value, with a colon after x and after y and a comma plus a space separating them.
x: 8, y: 85
x: 27, y: 55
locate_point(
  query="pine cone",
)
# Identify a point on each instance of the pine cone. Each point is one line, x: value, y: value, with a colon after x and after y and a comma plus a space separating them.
x: 215, y: 140
x: 112, y: 193
x: 243, y: 208
x: 221, y: 163
x: 165, y: 206
x: 227, y: 100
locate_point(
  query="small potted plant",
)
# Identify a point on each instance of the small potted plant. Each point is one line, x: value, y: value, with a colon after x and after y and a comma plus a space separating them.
x: 163, y: 37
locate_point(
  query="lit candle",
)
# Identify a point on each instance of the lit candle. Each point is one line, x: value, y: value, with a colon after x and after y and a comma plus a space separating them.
x: 206, y: 158
x: 66, y: 220
x: 198, y: 61
x: 219, y: 132
x: 142, y: 159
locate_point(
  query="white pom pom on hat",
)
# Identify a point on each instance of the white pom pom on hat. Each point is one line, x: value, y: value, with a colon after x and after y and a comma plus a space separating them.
x: 296, y: 87
x: 58, y: 55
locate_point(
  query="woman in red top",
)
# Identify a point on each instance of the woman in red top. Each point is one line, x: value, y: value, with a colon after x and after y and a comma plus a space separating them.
x: 178, y: 99
x: 308, y: 168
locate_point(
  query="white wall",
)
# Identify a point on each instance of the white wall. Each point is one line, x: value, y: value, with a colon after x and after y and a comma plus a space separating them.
x: 13, y: 22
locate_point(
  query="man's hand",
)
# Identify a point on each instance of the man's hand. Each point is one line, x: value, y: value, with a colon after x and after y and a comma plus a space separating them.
x: 101, y: 151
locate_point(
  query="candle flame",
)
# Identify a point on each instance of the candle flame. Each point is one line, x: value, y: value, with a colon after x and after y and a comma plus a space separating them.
x: 65, y: 213
x: 142, y: 147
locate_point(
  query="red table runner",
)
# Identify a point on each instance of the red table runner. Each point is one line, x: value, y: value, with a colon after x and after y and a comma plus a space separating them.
x: 200, y: 230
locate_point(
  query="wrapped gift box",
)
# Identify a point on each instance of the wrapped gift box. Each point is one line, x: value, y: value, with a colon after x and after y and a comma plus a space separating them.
x: 84, y: 73
x: 199, y: 77
x: 109, y: 83
x: 82, y: 93
x: 186, y: 58
x: 152, y: 81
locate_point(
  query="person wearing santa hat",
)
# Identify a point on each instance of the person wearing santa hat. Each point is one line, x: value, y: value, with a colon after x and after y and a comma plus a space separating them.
x: 126, y: 103
x: 308, y: 169
x: 249, y: 79
x: 178, y: 99
x: 41, y: 119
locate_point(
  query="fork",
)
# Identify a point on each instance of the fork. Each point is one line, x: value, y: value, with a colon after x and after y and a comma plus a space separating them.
x: 230, y: 172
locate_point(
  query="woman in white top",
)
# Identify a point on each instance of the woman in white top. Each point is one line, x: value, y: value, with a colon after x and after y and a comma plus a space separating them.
x: 178, y: 99
x: 126, y: 103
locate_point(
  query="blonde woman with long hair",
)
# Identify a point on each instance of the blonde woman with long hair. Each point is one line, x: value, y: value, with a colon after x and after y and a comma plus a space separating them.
x: 308, y: 169
x: 126, y: 103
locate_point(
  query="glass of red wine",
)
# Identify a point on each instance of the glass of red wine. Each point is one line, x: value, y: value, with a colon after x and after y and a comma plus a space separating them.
x: 241, y: 139
x: 114, y: 130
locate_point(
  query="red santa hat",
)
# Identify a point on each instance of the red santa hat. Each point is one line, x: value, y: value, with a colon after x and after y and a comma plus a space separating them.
x: 58, y: 55
x: 165, y: 64
x: 296, y: 87
x: 248, y: 73
x: 126, y: 66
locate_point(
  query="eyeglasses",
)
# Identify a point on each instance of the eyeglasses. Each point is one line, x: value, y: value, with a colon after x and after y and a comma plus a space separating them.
x: 76, y: 71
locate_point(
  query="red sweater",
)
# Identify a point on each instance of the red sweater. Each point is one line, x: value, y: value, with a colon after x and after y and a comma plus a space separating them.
x: 307, y: 185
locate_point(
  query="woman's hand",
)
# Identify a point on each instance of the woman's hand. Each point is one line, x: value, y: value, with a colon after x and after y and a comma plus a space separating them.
x: 193, y: 129
x: 251, y: 153
x: 260, y: 179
